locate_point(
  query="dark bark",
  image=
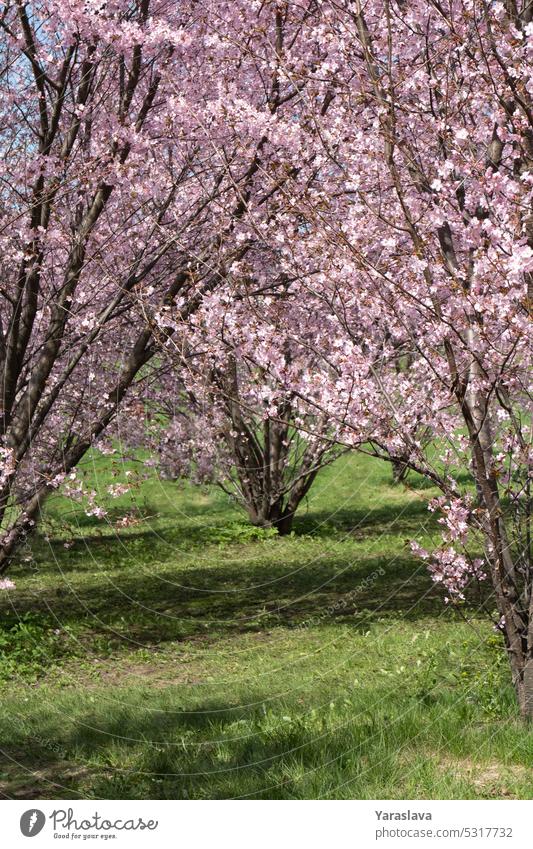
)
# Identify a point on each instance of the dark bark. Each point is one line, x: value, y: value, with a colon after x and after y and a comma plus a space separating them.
x: 400, y: 470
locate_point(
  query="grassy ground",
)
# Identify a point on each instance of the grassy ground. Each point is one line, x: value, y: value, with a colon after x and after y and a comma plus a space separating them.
x: 189, y: 656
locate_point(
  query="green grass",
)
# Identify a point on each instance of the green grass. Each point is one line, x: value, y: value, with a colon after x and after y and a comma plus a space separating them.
x: 191, y: 656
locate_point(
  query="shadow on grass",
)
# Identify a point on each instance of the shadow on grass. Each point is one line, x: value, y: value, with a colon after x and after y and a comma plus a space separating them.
x: 153, y: 542
x: 268, y: 749
x: 234, y: 587
x: 218, y: 751
x: 144, y: 607
x: 407, y: 518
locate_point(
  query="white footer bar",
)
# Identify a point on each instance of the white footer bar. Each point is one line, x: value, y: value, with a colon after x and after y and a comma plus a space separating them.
x: 267, y: 824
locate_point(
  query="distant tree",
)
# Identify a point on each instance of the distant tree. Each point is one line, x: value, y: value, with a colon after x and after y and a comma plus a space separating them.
x: 233, y: 422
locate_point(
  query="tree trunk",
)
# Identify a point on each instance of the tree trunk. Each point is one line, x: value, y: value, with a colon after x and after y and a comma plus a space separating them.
x: 273, y: 516
x: 523, y: 684
x: 284, y: 524
x: 399, y: 471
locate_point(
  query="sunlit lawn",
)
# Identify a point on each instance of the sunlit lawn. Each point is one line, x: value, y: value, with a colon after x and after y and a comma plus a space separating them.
x: 190, y: 656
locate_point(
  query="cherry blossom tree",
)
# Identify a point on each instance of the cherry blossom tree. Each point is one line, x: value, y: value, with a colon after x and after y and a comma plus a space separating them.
x: 147, y: 146
x: 227, y: 418
x: 88, y: 187
x: 381, y: 151
x: 105, y: 191
x: 423, y: 228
